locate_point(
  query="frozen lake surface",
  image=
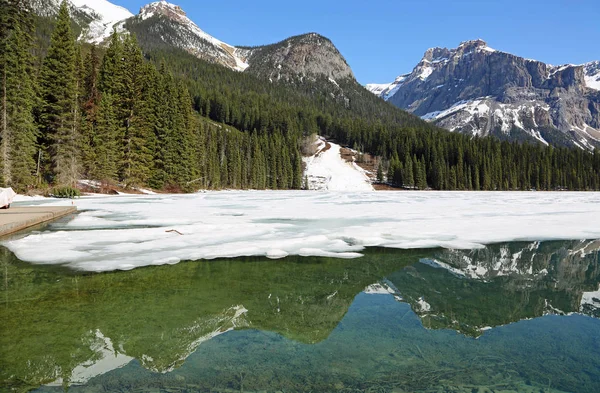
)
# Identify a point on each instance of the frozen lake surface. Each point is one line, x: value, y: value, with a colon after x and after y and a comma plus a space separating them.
x: 125, y: 232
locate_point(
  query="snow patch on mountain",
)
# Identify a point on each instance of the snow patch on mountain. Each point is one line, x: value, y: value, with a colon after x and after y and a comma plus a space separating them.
x: 422, y: 306
x: 105, y: 17
x: 327, y: 170
x: 504, y: 263
x: 484, y: 114
x: 386, y: 90
x: 592, y: 74
x: 377, y: 88
x: 191, y: 35
x: 477, y: 90
x: 379, y: 288
x: 591, y: 299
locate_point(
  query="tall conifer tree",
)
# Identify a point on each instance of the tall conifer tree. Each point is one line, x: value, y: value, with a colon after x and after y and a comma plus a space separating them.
x: 17, y: 128
x: 59, y: 96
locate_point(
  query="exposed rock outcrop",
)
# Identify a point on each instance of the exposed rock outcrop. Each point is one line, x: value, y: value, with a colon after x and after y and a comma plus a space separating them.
x: 477, y: 90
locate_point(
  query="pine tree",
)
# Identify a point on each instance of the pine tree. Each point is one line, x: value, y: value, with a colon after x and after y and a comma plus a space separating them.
x: 58, y: 89
x: 380, y: 172
x: 421, y: 179
x: 112, y: 69
x: 138, y: 96
x: 138, y: 155
x: 407, y: 175
x: 91, y: 101
x: 107, y: 146
x: 17, y: 129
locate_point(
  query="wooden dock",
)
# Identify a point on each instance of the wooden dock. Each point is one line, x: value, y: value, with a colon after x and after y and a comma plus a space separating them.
x: 18, y: 218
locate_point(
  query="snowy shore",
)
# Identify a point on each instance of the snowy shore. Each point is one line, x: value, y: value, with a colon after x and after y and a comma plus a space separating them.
x: 125, y: 232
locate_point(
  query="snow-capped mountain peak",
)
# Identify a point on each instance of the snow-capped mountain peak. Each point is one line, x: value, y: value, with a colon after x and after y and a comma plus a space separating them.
x: 165, y: 8
x: 475, y: 44
x: 103, y: 9
x: 105, y: 17
x: 477, y: 90
x: 176, y: 14
x: 182, y: 32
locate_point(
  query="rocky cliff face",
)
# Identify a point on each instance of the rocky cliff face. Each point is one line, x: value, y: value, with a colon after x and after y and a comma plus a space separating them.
x: 477, y: 90
x: 305, y: 56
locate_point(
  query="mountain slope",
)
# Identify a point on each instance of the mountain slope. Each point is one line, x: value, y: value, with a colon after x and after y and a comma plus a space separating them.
x: 96, y: 18
x: 306, y: 68
x: 306, y: 55
x: 477, y: 90
x: 162, y: 24
x: 105, y: 17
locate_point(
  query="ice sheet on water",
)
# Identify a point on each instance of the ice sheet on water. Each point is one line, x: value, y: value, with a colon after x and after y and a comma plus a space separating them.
x: 125, y: 232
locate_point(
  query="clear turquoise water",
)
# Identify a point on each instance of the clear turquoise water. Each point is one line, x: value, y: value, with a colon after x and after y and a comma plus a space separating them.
x: 305, y: 324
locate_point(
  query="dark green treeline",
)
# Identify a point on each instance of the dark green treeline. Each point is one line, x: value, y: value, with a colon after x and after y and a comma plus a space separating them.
x: 414, y: 154
x: 120, y: 119
x: 170, y: 121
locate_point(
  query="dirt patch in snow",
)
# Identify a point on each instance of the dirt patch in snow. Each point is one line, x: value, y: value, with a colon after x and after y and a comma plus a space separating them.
x: 386, y: 187
x: 365, y: 161
x: 323, y: 150
x: 368, y: 163
x: 96, y: 187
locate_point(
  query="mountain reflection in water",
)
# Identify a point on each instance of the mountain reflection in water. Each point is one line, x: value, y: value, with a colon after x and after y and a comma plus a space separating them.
x: 510, y: 317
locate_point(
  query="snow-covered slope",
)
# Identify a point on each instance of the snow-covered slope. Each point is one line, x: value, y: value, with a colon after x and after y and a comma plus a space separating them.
x: 590, y: 301
x: 592, y: 74
x: 386, y: 90
x: 327, y: 170
x: 97, y: 18
x: 163, y: 22
x: 105, y: 16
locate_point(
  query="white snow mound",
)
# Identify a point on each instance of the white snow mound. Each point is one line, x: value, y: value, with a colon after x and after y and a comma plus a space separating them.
x: 327, y: 170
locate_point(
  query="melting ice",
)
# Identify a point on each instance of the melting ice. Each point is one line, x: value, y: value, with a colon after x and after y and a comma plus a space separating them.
x: 125, y: 232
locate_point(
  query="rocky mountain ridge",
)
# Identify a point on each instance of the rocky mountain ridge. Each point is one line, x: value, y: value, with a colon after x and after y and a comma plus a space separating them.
x: 162, y: 24
x: 306, y: 55
x: 477, y: 90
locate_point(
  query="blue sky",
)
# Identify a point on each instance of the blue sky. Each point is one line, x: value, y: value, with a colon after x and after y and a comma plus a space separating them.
x: 381, y: 39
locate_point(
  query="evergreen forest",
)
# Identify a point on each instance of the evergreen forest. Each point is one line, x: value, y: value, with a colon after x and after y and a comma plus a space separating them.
x: 141, y: 115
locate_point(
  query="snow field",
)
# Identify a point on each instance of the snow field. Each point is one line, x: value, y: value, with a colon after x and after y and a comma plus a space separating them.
x: 125, y: 232
x: 109, y: 16
x: 327, y: 170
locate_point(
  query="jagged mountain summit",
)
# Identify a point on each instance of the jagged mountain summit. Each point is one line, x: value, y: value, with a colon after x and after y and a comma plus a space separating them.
x: 164, y: 25
x: 477, y: 90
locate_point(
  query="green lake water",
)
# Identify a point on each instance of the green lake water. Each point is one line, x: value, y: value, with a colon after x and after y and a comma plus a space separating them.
x: 515, y: 317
